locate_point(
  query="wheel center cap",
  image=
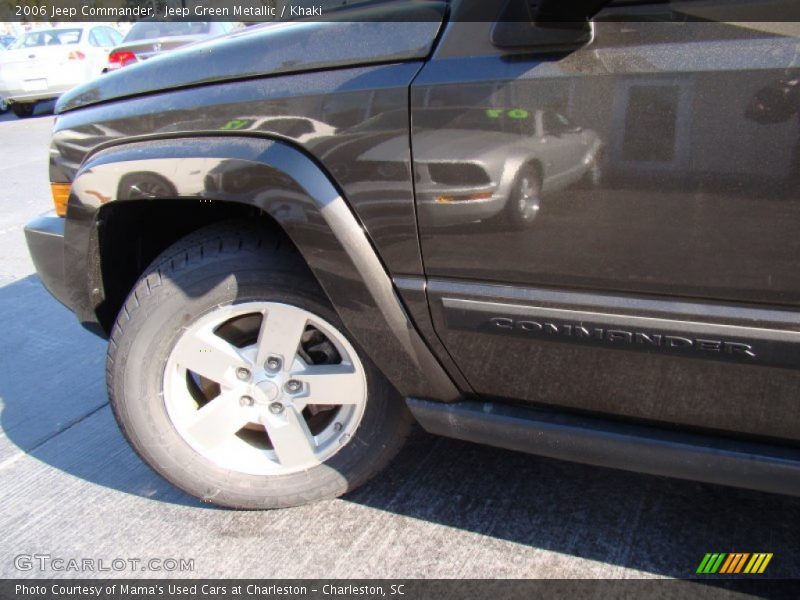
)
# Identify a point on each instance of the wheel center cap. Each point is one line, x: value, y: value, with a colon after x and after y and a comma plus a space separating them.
x: 268, y: 389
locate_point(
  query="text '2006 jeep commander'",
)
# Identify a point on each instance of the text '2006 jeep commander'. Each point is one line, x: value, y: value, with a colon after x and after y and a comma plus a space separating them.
x: 571, y: 235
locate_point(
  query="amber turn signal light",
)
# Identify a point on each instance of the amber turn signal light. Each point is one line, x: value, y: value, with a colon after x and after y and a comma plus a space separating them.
x: 60, y: 193
x: 448, y: 199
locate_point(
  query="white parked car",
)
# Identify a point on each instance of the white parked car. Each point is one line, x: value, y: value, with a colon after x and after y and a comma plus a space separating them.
x: 44, y: 63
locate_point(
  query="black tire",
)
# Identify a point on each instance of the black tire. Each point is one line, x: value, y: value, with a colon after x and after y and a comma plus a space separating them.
x: 516, y: 215
x: 224, y: 264
x: 23, y: 109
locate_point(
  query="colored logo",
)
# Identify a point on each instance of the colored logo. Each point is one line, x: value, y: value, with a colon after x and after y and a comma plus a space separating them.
x: 733, y: 563
x: 235, y: 124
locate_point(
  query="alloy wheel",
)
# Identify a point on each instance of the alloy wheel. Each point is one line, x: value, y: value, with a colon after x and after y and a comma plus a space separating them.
x: 528, y: 202
x: 264, y: 388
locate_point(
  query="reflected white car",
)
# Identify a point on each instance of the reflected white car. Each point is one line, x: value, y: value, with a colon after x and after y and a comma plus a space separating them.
x: 45, y: 63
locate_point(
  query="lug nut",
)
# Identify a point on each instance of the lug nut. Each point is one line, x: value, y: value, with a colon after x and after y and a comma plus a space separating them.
x: 273, y: 363
x: 242, y: 373
x: 293, y: 386
x: 246, y: 401
x: 337, y: 426
x: 276, y: 408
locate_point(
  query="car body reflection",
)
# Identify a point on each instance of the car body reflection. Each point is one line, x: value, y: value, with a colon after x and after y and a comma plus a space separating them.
x: 497, y: 162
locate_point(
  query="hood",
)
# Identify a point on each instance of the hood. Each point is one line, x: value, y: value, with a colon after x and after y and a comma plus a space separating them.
x: 392, y: 31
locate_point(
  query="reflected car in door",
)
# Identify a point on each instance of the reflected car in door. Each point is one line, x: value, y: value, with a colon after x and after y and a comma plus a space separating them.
x: 497, y: 162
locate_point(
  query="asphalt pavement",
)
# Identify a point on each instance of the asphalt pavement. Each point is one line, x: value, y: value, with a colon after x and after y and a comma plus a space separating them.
x: 71, y: 488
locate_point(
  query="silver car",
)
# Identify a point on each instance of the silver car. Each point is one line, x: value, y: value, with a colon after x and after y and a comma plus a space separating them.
x: 495, y: 161
x: 44, y: 63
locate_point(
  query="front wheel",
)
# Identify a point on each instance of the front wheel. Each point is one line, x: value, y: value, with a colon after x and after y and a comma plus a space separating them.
x: 233, y: 377
x: 525, y: 200
x: 594, y: 177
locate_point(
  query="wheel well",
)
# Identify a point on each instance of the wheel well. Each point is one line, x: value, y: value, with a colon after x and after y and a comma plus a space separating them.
x: 133, y: 233
x: 536, y: 165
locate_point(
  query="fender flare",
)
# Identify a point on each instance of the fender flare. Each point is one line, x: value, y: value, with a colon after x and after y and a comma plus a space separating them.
x: 288, y: 185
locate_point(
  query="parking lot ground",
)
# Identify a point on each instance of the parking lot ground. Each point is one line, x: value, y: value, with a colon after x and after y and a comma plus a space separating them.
x: 70, y: 486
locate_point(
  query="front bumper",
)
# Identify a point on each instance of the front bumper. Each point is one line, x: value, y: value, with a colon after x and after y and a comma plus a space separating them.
x: 45, y: 238
x: 459, y: 211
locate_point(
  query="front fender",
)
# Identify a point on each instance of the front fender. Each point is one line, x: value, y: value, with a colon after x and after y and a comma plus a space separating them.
x: 285, y: 183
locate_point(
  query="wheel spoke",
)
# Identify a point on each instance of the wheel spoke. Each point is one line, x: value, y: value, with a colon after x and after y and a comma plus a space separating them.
x: 218, y: 421
x: 291, y: 438
x: 208, y: 355
x: 332, y: 384
x: 280, y: 334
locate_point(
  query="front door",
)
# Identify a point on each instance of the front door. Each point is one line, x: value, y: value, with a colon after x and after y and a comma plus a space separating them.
x: 615, y: 229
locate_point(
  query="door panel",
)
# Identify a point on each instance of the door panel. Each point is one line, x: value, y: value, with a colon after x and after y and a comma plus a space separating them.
x: 683, y: 186
x: 699, y: 195
x: 718, y: 367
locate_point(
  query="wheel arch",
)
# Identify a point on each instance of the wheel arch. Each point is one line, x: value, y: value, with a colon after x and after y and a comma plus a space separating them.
x: 255, y: 178
x: 132, y: 234
x: 536, y: 163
